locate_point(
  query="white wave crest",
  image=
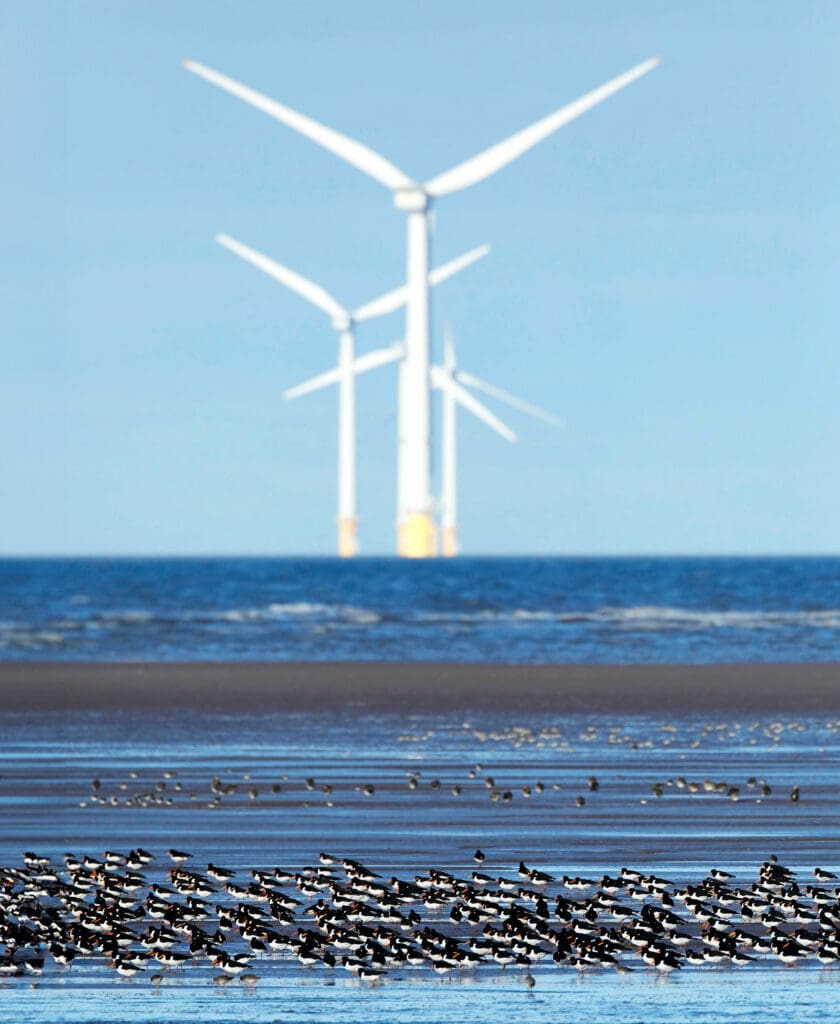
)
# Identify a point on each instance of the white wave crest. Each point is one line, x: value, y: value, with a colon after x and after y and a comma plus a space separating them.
x: 125, y: 618
x: 654, y: 618
x: 313, y: 611
x: 36, y: 638
x: 323, y: 617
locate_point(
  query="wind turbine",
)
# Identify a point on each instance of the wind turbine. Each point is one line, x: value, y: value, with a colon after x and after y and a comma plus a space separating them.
x: 451, y: 382
x: 415, y: 528
x: 344, y: 321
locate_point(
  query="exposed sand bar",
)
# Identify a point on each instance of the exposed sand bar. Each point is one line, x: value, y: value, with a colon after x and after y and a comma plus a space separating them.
x: 422, y: 686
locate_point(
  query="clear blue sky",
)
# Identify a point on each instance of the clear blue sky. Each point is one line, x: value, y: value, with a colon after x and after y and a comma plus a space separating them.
x: 664, y: 272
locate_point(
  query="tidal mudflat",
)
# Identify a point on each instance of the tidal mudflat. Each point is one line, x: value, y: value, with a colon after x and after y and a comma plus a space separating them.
x: 414, y: 774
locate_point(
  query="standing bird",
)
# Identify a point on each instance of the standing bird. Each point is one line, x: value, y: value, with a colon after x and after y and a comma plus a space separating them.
x: 178, y: 856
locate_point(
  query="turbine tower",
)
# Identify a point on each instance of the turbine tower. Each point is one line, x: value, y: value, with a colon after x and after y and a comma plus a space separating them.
x: 451, y: 382
x: 344, y: 321
x: 415, y: 527
x: 449, y: 454
x: 444, y: 379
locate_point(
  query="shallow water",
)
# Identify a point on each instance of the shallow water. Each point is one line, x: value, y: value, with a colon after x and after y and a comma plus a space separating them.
x: 47, y: 764
x: 758, y: 995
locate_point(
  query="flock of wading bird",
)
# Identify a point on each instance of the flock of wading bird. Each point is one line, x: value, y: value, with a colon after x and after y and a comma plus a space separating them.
x: 418, y: 535
x: 165, y: 792
x: 110, y: 911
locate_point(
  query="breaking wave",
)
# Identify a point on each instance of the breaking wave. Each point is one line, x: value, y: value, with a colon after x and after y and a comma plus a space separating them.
x: 663, y: 618
x: 304, y: 616
x: 646, y: 617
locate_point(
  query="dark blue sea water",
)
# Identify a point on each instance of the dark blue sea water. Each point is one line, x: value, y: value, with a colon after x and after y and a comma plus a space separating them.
x: 612, y: 610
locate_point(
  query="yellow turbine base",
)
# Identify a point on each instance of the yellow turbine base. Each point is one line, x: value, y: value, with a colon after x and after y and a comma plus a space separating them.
x: 449, y: 542
x: 348, y: 544
x: 417, y: 537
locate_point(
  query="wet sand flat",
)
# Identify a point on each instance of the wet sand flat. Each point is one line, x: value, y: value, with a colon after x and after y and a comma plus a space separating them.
x: 421, y: 686
x: 308, y: 739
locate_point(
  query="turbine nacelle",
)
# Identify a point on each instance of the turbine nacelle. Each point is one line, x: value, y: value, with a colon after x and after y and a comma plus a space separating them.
x: 412, y: 200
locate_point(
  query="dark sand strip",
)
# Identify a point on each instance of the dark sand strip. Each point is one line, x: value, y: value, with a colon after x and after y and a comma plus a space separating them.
x: 423, y: 686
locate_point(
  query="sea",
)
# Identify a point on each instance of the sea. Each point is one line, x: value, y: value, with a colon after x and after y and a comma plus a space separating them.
x: 521, y: 610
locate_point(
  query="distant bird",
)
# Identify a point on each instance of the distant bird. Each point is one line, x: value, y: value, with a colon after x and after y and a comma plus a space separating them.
x: 479, y: 857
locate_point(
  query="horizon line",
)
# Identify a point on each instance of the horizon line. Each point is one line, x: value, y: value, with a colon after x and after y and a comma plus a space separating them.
x: 382, y: 556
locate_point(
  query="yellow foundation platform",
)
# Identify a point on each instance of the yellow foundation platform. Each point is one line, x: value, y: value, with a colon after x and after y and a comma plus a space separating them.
x: 417, y: 537
x: 449, y: 542
x: 348, y: 544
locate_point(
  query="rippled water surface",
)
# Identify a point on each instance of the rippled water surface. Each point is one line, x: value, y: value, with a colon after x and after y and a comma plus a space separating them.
x: 48, y: 763
x: 516, y: 610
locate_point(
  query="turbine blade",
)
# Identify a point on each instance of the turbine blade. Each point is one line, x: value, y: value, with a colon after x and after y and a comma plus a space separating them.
x: 392, y: 300
x: 296, y: 282
x: 380, y: 357
x: 386, y: 303
x: 508, y: 398
x: 322, y: 380
x: 355, y: 153
x: 363, y: 364
x: 493, y: 159
x: 445, y: 382
x: 441, y: 273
